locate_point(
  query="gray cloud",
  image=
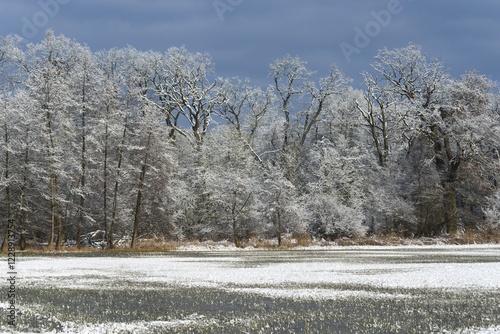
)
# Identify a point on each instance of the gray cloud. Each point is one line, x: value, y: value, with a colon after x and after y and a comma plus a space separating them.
x: 255, y: 32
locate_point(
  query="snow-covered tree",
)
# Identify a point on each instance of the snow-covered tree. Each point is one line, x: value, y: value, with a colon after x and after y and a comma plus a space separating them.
x: 123, y: 141
x: 49, y: 66
x: 234, y: 184
x: 336, y: 198
x: 284, y: 207
x: 183, y: 87
x: 242, y: 106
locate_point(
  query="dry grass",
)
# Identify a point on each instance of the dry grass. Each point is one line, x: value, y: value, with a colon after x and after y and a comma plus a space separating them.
x: 304, y: 240
x: 301, y: 240
x: 145, y: 248
x: 260, y: 243
x: 468, y: 237
x: 158, y: 244
x: 471, y: 237
x: 391, y: 239
x: 64, y: 249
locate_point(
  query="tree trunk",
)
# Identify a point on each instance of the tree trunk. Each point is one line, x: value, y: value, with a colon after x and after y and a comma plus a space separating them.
x: 83, y: 163
x: 137, y: 214
x: 451, y: 214
x: 105, y: 185
x: 308, y: 125
x: 450, y: 209
x: 60, y: 233
x: 447, y: 165
x: 81, y: 216
x: 278, y: 229
x: 377, y: 130
x: 236, y: 237
x: 22, y: 241
x: 7, y: 192
x: 110, y: 240
x: 22, y: 215
x: 5, y: 241
x: 53, y: 182
x: 52, y: 212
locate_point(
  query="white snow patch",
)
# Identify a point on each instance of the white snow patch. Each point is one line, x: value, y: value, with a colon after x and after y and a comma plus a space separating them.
x: 491, y: 330
x: 314, y: 294
x: 135, y: 327
x: 267, y: 268
x: 312, y: 274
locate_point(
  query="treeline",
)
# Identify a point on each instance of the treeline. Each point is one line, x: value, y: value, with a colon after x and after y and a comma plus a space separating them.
x: 140, y: 144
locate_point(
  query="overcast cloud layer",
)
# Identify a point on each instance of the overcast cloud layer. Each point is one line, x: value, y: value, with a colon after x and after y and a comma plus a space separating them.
x: 245, y: 36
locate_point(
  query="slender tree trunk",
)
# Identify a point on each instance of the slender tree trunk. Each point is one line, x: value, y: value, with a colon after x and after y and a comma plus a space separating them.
x: 7, y: 191
x: 60, y: 232
x: 451, y: 213
x: 137, y: 214
x: 447, y: 166
x: 52, y: 212
x: 81, y: 207
x: 234, y: 216
x: 53, y: 179
x: 236, y: 237
x: 308, y: 125
x: 116, y: 188
x: 83, y: 163
x: 22, y: 212
x: 279, y: 227
x: 105, y: 184
x: 376, y: 130
x: 450, y: 209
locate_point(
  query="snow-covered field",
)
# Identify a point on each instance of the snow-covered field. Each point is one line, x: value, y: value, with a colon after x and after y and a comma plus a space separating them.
x: 443, y: 289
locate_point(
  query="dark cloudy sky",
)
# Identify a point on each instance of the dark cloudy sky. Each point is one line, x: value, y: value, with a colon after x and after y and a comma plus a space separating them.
x: 245, y: 36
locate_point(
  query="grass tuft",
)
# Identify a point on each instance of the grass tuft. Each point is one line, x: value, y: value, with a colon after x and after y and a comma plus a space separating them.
x: 159, y: 244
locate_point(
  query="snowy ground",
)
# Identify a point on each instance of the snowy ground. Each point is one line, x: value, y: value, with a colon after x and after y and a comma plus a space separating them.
x: 443, y: 289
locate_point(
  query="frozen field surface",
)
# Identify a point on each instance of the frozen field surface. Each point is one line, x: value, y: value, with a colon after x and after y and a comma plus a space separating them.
x: 406, y: 289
